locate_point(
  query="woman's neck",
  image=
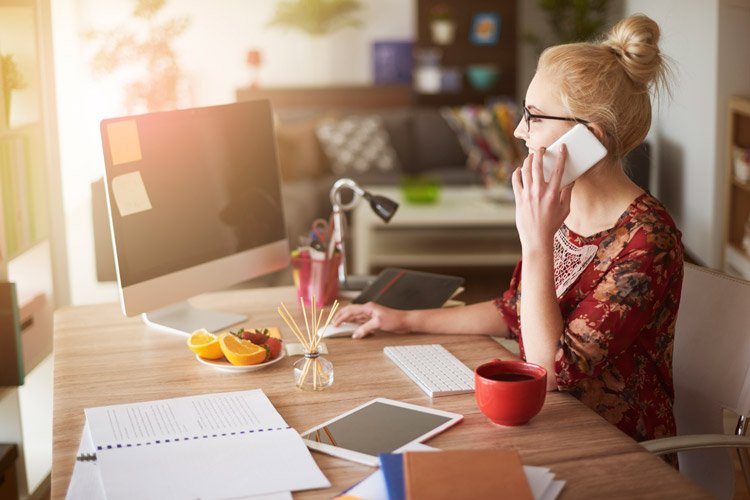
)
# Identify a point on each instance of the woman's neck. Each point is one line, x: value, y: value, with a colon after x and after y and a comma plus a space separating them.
x: 599, y: 198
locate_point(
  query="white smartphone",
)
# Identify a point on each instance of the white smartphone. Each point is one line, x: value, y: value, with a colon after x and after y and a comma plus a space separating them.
x: 584, y: 151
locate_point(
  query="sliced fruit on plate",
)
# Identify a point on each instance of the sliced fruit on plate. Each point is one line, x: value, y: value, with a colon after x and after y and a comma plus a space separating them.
x: 242, y: 352
x: 257, y: 335
x: 205, y: 344
x: 274, y: 346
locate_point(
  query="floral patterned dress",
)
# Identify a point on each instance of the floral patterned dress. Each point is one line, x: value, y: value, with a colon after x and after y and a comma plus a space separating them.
x: 619, y: 291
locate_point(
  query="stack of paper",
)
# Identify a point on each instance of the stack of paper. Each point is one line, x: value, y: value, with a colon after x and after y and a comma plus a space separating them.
x: 456, y: 474
x: 226, y: 445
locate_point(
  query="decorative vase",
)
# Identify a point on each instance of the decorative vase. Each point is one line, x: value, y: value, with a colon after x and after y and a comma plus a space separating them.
x: 313, y: 372
x: 443, y: 31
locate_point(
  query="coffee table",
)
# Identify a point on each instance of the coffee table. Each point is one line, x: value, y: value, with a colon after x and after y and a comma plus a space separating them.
x: 465, y: 227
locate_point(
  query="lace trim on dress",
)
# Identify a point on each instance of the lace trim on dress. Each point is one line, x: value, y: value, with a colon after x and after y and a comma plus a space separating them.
x: 570, y: 261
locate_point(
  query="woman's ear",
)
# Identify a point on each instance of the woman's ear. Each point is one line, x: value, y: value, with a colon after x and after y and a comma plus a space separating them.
x: 597, y: 130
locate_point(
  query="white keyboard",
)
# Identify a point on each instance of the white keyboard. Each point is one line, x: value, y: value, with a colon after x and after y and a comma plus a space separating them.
x: 433, y: 368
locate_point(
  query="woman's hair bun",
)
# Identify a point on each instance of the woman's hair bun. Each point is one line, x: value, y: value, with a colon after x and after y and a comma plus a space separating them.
x: 635, y: 42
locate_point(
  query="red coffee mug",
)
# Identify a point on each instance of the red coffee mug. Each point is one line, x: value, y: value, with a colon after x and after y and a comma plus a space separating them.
x: 510, y: 392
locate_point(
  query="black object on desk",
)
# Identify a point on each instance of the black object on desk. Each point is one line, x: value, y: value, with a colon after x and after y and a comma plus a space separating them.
x: 407, y: 290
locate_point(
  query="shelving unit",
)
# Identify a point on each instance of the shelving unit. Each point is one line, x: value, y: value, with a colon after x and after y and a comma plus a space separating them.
x: 737, y: 258
x: 32, y: 241
x: 462, y: 52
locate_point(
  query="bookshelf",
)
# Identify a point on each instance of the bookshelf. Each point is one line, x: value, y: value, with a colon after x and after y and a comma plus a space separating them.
x: 464, y: 52
x: 32, y: 242
x: 737, y: 255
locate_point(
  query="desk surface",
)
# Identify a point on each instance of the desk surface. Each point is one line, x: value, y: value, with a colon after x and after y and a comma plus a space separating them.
x: 102, y: 358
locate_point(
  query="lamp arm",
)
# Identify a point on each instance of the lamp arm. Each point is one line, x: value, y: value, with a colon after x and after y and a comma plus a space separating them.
x: 339, y: 220
x: 335, y: 194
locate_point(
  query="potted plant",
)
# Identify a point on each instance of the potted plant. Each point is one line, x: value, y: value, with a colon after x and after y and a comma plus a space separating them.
x: 11, y: 79
x: 316, y: 17
x: 570, y: 21
x: 442, y: 25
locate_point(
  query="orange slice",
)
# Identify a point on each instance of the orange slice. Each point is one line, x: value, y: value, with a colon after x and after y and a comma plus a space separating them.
x: 241, y: 352
x: 205, y: 344
x: 274, y: 332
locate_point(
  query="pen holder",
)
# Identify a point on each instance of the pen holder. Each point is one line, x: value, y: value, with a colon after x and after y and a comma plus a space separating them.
x: 316, y: 277
x: 313, y: 372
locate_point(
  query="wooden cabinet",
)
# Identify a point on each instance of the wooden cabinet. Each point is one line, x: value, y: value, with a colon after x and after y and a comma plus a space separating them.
x: 737, y: 253
x: 474, y: 44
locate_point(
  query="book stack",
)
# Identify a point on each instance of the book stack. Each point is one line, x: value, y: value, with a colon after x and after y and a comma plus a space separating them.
x: 456, y: 474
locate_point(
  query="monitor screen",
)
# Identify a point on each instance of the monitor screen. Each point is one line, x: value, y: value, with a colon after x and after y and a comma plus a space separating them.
x: 188, y: 189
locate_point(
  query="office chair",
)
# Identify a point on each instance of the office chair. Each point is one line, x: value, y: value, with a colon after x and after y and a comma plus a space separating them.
x: 710, y: 367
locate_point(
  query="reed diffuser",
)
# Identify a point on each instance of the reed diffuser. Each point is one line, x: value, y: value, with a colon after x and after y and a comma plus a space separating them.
x: 313, y: 372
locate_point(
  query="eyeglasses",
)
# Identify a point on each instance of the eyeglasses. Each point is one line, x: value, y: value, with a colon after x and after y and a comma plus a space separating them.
x: 528, y: 115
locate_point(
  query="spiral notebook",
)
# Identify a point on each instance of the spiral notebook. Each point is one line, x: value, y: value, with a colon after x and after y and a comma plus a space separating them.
x: 224, y: 445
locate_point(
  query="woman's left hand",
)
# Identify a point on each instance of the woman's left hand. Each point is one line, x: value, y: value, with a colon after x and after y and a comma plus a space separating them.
x: 541, y: 207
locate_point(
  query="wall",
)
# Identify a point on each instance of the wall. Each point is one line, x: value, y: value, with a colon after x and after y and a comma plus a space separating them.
x: 707, y: 43
x: 212, y: 54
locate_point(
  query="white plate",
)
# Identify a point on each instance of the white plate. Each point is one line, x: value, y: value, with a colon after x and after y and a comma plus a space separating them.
x: 224, y: 365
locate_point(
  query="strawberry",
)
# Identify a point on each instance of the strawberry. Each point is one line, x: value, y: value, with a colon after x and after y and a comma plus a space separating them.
x: 274, y: 346
x: 256, y: 336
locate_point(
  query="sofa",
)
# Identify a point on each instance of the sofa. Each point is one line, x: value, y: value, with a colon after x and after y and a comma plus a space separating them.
x: 422, y: 141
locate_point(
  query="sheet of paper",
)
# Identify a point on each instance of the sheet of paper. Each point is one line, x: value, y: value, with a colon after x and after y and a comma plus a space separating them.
x: 124, y: 144
x: 85, y: 482
x: 225, y: 445
x: 539, y: 479
x: 227, y: 467
x: 181, y: 419
x: 130, y: 194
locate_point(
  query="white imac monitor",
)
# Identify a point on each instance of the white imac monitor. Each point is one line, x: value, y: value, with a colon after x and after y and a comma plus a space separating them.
x: 194, y: 201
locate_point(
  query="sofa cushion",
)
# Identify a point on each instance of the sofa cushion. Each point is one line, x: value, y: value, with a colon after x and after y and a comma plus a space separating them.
x: 300, y: 154
x: 398, y: 123
x: 356, y: 144
x: 435, y: 143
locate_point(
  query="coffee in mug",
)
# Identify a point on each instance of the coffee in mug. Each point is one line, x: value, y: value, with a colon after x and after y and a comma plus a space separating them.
x: 510, y: 392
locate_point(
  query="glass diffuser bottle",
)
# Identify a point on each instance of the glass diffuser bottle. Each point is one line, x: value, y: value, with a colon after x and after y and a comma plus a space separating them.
x: 313, y: 372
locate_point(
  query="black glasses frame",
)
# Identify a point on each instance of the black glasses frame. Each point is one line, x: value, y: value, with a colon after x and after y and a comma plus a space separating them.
x: 528, y: 115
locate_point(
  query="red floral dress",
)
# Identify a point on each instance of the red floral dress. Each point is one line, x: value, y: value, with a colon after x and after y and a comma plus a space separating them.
x: 619, y: 291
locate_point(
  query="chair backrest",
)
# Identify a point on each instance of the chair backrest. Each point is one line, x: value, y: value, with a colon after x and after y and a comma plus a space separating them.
x: 711, y: 360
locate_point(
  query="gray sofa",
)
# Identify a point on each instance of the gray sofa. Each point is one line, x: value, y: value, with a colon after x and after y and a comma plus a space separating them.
x: 424, y: 145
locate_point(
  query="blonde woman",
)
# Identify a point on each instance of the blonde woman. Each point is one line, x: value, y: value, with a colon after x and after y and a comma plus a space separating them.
x: 601, y: 266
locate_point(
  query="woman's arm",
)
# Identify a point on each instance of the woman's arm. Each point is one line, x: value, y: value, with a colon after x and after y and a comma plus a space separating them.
x: 541, y: 208
x: 478, y: 319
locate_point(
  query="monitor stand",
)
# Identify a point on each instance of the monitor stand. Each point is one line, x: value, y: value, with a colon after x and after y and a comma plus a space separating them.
x: 184, y: 319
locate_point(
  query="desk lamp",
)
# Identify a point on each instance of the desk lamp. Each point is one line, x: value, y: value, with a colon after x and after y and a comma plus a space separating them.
x: 382, y: 206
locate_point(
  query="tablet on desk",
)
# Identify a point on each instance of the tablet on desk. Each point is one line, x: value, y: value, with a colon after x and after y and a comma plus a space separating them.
x: 378, y: 426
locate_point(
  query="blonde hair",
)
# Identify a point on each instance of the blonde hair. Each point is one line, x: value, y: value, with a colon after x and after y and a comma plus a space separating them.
x: 609, y: 83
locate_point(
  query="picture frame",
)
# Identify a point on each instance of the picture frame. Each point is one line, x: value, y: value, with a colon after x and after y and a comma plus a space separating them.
x: 485, y: 28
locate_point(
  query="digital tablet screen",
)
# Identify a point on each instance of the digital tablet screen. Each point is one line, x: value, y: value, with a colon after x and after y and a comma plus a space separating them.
x: 377, y: 428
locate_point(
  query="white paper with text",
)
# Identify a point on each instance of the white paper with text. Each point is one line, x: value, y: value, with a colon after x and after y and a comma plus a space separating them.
x: 210, y: 446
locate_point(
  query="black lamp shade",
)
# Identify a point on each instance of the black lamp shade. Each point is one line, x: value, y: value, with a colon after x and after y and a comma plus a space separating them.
x: 384, y: 207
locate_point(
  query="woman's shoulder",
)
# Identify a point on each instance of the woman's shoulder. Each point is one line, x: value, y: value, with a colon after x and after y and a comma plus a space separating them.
x: 651, y: 225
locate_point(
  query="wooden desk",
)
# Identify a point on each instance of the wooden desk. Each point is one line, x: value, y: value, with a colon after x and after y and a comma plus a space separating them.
x: 103, y: 358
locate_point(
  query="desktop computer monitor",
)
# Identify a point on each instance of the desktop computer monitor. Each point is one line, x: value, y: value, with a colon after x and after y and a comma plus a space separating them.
x: 194, y: 201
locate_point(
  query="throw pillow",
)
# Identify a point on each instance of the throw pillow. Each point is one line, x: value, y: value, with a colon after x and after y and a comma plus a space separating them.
x: 357, y: 144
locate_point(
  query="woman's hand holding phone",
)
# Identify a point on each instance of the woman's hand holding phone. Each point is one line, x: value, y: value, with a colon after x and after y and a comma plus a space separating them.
x: 541, y: 206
